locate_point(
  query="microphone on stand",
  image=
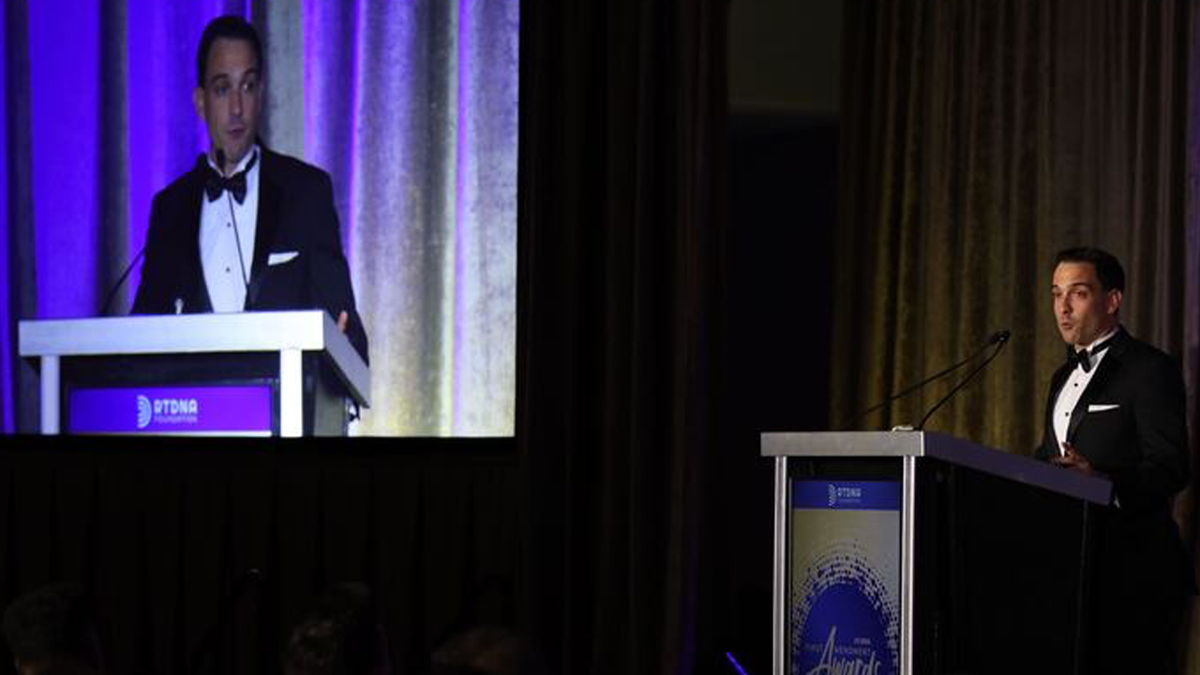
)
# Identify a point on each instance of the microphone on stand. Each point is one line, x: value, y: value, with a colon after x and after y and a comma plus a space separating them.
x: 1002, y: 339
x: 999, y: 337
x: 117, y: 286
x: 236, y: 236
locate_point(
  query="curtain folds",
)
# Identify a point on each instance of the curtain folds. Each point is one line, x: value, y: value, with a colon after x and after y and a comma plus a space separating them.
x: 622, y: 128
x: 980, y: 138
x: 201, y: 557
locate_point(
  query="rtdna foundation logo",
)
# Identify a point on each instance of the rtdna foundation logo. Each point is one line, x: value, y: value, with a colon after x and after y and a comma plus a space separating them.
x: 145, y: 412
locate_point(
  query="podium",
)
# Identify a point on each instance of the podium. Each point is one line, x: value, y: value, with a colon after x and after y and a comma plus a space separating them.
x: 916, y: 552
x: 253, y: 373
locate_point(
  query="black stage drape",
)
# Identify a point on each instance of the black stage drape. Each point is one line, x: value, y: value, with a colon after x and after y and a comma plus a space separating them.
x: 619, y: 322
x: 164, y: 533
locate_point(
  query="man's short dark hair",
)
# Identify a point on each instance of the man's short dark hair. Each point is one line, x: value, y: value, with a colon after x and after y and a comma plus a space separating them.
x: 1108, y: 268
x: 229, y: 27
x: 52, y: 622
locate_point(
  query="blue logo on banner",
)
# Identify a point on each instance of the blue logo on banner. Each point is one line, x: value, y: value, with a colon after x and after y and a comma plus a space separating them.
x: 845, y: 620
x: 145, y: 413
x: 854, y: 495
x: 844, y: 614
x: 213, y: 409
x: 845, y: 633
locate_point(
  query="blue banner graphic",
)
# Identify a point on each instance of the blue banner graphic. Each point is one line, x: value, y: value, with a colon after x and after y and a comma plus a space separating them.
x: 853, y: 495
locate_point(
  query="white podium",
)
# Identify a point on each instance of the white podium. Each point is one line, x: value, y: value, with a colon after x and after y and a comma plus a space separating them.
x: 917, y: 552
x: 299, y: 359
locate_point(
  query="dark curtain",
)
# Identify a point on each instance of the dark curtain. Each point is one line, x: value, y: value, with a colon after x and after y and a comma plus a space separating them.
x: 620, y: 230
x: 980, y: 137
x: 164, y: 533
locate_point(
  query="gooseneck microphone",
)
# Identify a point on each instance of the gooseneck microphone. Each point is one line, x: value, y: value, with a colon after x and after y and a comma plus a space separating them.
x: 117, y: 286
x: 237, y: 238
x: 999, y: 337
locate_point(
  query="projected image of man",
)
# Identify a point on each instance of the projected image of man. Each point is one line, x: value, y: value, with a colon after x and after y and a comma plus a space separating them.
x: 245, y: 228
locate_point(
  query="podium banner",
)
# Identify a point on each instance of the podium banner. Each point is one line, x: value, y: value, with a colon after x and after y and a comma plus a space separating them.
x: 844, y: 577
x: 234, y: 410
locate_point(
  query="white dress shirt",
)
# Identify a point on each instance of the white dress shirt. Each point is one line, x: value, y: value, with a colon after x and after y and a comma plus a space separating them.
x: 219, y: 240
x: 1074, y: 387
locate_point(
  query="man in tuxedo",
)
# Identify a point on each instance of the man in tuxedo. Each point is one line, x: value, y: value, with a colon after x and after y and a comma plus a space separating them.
x: 246, y: 228
x: 1116, y: 409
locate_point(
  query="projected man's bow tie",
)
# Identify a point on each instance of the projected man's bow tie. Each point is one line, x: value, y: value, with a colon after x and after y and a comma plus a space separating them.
x: 236, y: 184
x: 1083, y: 357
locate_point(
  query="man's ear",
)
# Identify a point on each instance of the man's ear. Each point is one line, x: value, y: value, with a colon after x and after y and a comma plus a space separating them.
x: 1114, y: 301
x: 198, y: 102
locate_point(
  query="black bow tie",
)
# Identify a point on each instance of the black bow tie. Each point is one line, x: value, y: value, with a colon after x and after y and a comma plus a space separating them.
x: 1083, y: 357
x: 215, y: 183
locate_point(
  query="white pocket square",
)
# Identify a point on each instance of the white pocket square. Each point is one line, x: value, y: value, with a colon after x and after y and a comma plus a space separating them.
x: 280, y: 258
x: 1101, y: 407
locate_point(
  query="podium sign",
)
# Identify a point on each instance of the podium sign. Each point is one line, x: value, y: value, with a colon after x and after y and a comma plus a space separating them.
x: 844, y: 602
x: 907, y: 552
x: 232, y: 410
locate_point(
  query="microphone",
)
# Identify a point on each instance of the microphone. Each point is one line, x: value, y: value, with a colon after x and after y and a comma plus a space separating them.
x: 999, y: 337
x: 237, y: 238
x: 117, y: 286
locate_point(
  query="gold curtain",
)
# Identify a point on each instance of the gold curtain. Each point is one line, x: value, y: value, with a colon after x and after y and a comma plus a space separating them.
x: 980, y: 137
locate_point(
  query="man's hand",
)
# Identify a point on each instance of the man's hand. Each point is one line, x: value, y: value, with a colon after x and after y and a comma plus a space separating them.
x: 1071, y: 459
x: 343, y: 321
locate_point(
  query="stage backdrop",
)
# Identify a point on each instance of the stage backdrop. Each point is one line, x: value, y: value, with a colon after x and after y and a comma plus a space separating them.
x: 978, y: 139
x: 411, y: 106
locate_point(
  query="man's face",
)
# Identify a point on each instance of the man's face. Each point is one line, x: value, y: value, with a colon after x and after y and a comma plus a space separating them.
x: 1082, y: 310
x: 230, y: 99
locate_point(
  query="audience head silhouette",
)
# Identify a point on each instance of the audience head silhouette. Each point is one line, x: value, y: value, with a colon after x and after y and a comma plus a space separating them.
x: 50, y: 631
x: 340, y: 636
x: 487, y: 650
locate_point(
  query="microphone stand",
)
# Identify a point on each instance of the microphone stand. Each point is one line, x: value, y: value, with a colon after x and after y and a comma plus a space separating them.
x: 998, y: 337
x: 960, y: 385
x: 124, y: 275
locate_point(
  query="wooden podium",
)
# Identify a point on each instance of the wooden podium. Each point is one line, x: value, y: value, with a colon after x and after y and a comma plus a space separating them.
x: 916, y: 552
x: 252, y: 373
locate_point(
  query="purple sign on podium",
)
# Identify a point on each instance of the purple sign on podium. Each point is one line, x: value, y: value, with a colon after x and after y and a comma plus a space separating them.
x: 844, y: 614
x: 233, y: 410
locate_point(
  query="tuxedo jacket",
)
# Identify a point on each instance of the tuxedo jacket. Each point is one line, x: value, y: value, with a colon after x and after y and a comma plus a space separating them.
x: 295, y: 214
x: 1130, y: 424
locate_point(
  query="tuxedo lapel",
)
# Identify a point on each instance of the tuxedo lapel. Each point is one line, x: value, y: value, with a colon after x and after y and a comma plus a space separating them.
x: 270, y: 195
x: 1057, y: 382
x: 196, y: 299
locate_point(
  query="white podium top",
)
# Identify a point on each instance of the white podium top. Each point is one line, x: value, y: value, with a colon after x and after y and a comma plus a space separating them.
x: 939, y: 446
x: 310, y: 330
